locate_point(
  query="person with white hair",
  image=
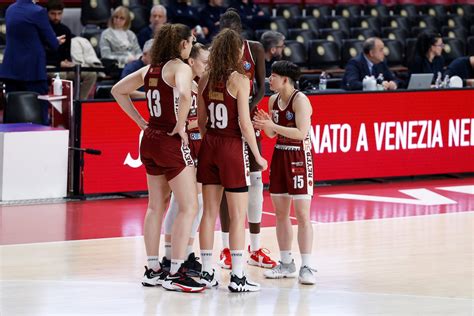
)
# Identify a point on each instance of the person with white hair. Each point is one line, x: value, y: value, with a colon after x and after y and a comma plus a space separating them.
x: 158, y: 17
x: 133, y: 66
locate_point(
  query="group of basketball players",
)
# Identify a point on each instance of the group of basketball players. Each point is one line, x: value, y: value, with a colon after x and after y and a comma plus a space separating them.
x: 174, y: 142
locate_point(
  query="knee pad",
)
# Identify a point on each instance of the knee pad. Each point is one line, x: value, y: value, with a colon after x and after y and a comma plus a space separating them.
x: 254, y: 213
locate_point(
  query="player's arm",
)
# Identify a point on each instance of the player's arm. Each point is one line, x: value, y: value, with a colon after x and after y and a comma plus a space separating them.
x: 243, y: 88
x: 183, y: 81
x: 121, y: 92
x: 303, y: 111
x: 263, y: 120
x: 258, y: 54
x: 201, y: 107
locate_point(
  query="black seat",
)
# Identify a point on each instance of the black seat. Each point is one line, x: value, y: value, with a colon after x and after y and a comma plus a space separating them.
x: 456, y: 21
x: 22, y: 107
x: 95, y: 12
x: 455, y: 32
x: 92, y: 33
x: 416, y: 30
x: 300, y: 35
x: 289, y: 12
x: 3, y: 32
x: 295, y: 52
x: 258, y: 34
x: 348, y: 11
x: 377, y: 11
x: 410, y: 46
x: 462, y: 9
x: 362, y: 33
x: 425, y: 21
x: 436, y: 10
x: 339, y: 23
x: 393, y: 51
x: 323, y: 54
x: 140, y: 18
x: 318, y: 11
x: 130, y: 3
x: 406, y: 10
x: 395, y: 34
x: 333, y: 36
x: 279, y: 24
x: 470, y: 46
x: 453, y: 49
x: 310, y: 23
x: 350, y: 49
x: 2, y: 53
x: 366, y: 22
x: 397, y: 22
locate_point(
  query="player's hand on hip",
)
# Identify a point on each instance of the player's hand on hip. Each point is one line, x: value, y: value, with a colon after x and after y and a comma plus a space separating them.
x: 181, y: 132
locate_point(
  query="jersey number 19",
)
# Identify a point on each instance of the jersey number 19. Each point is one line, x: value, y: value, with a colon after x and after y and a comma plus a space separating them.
x: 218, y: 117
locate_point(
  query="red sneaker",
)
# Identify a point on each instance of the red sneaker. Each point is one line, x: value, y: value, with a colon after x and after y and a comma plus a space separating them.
x: 260, y: 258
x: 225, y: 259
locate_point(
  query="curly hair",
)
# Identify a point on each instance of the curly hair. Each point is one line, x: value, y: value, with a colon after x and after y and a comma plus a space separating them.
x: 225, y: 56
x: 167, y: 41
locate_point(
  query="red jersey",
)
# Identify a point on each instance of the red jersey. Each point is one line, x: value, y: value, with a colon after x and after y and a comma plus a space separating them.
x: 192, y: 116
x: 249, y: 64
x: 222, y: 111
x: 284, y: 115
x: 162, y: 99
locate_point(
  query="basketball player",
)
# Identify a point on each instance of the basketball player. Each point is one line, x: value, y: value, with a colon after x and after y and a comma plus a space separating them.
x: 164, y: 149
x: 253, y: 60
x: 291, y: 172
x: 198, y: 62
x: 223, y: 117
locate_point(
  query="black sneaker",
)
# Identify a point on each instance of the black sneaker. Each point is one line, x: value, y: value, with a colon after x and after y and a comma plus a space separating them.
x: 182, y: 283
x: 208, y: 280
x: 153, y: 278
x: 192, y: 267
x: 166, y: 264
x: 242, y: 284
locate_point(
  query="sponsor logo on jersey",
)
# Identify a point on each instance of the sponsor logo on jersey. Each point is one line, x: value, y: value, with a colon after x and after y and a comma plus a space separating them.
x: 297, y: 163
x: 153, y: 82
x: 247, y: 65
x: 289, y: 115
x: 213, y: 95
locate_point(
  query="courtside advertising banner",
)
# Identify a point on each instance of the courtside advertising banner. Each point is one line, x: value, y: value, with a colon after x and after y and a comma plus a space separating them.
x: 353, y: 136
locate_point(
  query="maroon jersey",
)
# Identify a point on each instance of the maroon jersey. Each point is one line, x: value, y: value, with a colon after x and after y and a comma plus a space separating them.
x: 192, y: 116
x: 162, y: 99
x: 249, y: 64
x: 284, y: 115
x: 222, y: 111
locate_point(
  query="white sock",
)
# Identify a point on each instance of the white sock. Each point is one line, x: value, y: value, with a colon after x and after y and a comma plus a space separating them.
x: 286, y: 256
x: 153, y: 263
x: 168, y: 250
x: 254, y: 242
x: 225, y: 240
x: 189, y: 250
x: 206, y: 257
x: 237, y: 262
x: 306, y: 259
x: 175, y: 265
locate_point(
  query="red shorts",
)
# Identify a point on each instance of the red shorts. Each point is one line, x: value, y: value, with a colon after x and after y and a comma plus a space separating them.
x: 194, y: 145
x: 291, y: 171
x: 224, y: 161
x: 164, y: 154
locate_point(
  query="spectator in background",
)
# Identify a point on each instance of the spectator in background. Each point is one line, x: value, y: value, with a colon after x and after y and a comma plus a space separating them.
x: 158, y: 17
x: 182, y: 12
x: 133, y: 66
x: 24, y: 62
x: 62, y: 56
x: 369, y: 63
x: 210, y: 16
x: 462, y: 67
x: 251, y: 14
x: 427, y: 57
x: 273, y: 43
x: 117, y: 42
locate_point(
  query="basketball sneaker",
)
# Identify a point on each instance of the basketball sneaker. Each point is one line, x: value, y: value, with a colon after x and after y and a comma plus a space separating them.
x: 282, y: 270
x: 261, y: 258
x: 225, y: 259
x: 182, y: 283
x: 307, y: 275
x: 192, y: 267
x: 242, y: 284
x: 153, y: 278
x: 208, y: 280
x: 166, y: 264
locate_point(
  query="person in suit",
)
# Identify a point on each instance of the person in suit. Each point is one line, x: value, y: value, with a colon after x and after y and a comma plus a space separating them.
x: 24, y: 62
x: 427, y: 56
x: 369, y: 62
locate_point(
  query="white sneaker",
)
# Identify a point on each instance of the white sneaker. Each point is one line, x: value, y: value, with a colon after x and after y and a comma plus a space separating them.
x: 307, y: 275
x: 282, y: 270
x: 242, y: 284
x: 208, y: 280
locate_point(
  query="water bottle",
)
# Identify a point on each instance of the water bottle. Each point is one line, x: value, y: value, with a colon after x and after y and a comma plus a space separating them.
x: 446, y: 82
x: 438, y: 81
x: 323, y: 81
x: 379, y: 82
x: 57, y: 85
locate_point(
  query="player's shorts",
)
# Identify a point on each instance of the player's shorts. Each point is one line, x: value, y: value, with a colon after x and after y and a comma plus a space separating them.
x: 194, y: 145
x: 291, y: 171
x: 224, y: 161
x: 162, y: 154
x: 254, y: 167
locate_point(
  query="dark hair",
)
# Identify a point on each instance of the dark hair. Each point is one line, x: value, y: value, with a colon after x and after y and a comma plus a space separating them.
x: 231, y: 19
x: 55, y: 5
x: 166, y: 45
x: 225, y: 56
x: 271, y: 39
x: 424, y: 41
x: 196, y: 50
x: 286, y: 69
x: 369, y: 44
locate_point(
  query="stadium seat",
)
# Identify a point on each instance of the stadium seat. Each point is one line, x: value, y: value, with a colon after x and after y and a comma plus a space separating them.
x: 318, y: 11
x: 350, y: 49
x: 362, y: 33
x: 130, y: 3
x: 300, y: 35
x: 279, y: 24
x: 367, y: 22
x: 438, y: 11
x: 323, y: 54
x: 22, y: 107
x: 397, y: 21
x: 3, y: 32
x: 295, y: 52
x: 455, y: 32
x: 259, y: 33
x: 393, y: 52
x: 2, y: 53
x: 377, y: 11
x: 140, y: 17
x: 409, y: 49
x: 453, y: 48
x: 425, y: 21
x: 288, y: 11
x: 457, y: 21
x: 406, y: 10
x: 349, y: 11
x: 333, y: 36
x: 339, y: 23
x: 310, y: 23
x: 95, y: 12
x: 470, y: 46
x: 416, y: 30
x: 462, y: 9
x: 395, y: 34
x: 92, y: 33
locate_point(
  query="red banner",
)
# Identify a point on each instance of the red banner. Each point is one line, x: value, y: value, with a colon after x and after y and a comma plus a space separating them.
x: 359, y: 135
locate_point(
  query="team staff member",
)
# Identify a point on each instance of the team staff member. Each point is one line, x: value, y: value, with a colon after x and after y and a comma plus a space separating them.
x: 223, y: 118
x: 164, y: 149
x: 291, y: 171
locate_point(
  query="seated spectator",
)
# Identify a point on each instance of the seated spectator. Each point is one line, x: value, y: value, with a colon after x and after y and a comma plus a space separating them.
x: 210, y: 16
x: 251, y: 15
x: 369, y: 63
x: 273, y: 43
x: 158, y: 17
x: 62, y: 56
x: 427, y: 56
x: 462, y: 67
x: 117, y: 42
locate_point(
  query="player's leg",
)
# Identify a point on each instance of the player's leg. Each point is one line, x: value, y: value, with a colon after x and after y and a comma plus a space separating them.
x: 302, y: 205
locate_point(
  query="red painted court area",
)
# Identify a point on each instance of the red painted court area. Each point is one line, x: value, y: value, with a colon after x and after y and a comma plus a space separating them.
x: 336, y: 203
